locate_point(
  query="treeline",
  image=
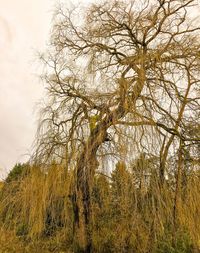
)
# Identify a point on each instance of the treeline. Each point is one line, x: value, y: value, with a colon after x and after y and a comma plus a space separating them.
x: 130, y: 211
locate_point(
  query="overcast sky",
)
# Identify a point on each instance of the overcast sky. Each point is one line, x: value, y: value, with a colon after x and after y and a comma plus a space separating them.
x: 24, y: 28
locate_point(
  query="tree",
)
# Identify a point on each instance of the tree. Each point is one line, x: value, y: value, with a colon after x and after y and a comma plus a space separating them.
x: 122, y: 190
x: 134, y: 68
x: 10, y: 197
x: 17, y: 173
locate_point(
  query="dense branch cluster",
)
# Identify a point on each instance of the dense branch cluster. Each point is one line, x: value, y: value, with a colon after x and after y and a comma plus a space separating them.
x: 128, y: 68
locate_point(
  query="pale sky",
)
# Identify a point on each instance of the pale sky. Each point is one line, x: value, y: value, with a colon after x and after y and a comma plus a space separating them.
x: 24, y: 29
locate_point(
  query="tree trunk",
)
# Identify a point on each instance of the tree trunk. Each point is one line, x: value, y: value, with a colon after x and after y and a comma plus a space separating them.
x: 86, y: 167
x: 87, y: 164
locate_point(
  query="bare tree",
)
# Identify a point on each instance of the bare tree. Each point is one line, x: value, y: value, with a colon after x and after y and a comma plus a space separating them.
x: 126, y: 69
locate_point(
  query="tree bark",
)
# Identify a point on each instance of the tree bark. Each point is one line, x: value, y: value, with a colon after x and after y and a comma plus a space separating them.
x: 86, y: 167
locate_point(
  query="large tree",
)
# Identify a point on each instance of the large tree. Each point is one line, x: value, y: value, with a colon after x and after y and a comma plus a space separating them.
x: 122, y: 78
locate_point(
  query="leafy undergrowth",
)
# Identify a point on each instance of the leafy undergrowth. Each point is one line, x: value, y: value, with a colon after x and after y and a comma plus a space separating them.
x: 37, y: 216
x: 10, y: 243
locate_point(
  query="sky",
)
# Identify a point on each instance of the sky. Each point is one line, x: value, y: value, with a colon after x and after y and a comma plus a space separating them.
x: 24, y: 30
